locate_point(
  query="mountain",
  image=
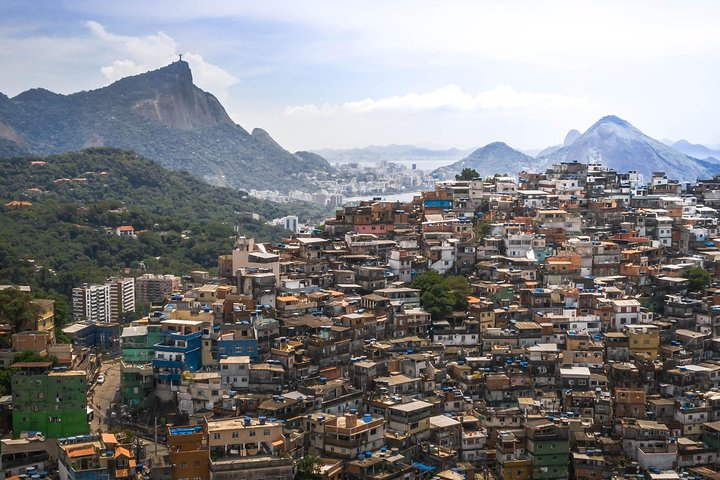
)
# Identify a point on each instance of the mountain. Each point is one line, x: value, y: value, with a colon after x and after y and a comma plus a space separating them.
x: 571, y: 136
x: 78, y: 199
x: 160, y: 114
x: 493, y: 158
x: 695, y: 150
x: 405, y: 154
x: 617, y: 144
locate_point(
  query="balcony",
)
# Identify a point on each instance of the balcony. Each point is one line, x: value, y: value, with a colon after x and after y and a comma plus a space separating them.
x: 353, y: 443
x: 165, y: 363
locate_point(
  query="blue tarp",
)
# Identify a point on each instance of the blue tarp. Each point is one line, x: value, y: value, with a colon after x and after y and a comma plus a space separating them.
x: 423, y: 467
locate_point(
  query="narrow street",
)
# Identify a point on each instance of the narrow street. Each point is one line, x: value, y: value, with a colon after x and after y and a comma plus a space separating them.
x: 102, y: 397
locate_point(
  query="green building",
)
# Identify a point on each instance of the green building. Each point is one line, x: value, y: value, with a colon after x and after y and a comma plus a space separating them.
x: 136, y: 384
x: 136, y: 371
x: 548, y: 447
x: 49, y: 401
x: 137, y: 343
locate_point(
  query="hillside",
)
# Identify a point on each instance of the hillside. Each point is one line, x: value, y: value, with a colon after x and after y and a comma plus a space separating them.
x: 78, y: 199
x: 162, y: 115
x: 571, y: 136
x: 493, y: 158
x: 695, y: 150
x: 617, y: 144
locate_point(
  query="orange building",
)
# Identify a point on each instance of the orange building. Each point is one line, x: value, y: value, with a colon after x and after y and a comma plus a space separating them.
x: 189, y: 452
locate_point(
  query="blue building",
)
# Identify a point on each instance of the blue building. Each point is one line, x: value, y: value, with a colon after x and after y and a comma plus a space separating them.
x: 230, y: 347
x: 105, y: 336
x: 180, y: 350
x: 82, y: 334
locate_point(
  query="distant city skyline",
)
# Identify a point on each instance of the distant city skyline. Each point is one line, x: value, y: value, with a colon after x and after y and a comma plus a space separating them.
x: 323, y: 74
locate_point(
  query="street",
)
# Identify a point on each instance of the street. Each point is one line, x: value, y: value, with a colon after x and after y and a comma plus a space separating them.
x: 102, y: 397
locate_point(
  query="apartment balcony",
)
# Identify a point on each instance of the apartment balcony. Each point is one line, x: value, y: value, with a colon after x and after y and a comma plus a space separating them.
x: 353, y: 443
x: 164, y: 363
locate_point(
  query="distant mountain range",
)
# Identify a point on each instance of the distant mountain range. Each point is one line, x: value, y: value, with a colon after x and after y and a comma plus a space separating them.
x: 393, y: 153
x: 611, y: 141
x: 160, y: 114
x: 694, y: 149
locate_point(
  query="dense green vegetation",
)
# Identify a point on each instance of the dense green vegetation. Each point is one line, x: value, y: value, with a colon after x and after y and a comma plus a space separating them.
x: 16, y: 308
x: 309, y: 467
x: 442, y: 295
x: 698, y: 279
x: 67, y: 236
x: 468, y: 174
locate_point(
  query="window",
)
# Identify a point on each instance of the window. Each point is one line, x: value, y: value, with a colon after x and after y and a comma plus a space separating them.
x: 252, y: 433
x: 235, y: 434
x: 216, y: 436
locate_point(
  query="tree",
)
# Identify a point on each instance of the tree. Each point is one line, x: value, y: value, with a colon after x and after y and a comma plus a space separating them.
x: 482, y: 229
x: 468, y: 174
x: 29, y: 356
x: 17, y: 309
x: 460, y: 288
x: 309, y: 468
x: 427, y: 279
x: 438, y: 300
x: 699, y: 278
x: 441, y: 295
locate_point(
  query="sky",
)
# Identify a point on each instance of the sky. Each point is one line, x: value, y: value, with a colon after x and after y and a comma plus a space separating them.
x: 340, y: 74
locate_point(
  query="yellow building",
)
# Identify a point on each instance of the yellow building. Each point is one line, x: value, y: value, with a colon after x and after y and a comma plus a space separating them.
x: 643, y: 339
x: 244, y: 436
x: 483, y: 311
x: 45, y: 321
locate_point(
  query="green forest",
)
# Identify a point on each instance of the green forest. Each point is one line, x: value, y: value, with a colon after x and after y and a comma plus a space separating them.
x: 67, y: 236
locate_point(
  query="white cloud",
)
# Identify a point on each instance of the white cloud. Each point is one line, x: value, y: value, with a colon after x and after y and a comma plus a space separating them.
x: 452, y: 97
x: 154, y: 51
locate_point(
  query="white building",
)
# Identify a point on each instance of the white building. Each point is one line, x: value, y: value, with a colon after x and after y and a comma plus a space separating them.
x: 235, y: 372
x: 91, y: 302
x: 122, y: 297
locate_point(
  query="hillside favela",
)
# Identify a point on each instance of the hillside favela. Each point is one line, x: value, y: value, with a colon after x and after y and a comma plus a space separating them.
x: 460, y: 241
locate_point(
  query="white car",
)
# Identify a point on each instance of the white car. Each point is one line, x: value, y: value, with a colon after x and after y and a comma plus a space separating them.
x: 101, y: 379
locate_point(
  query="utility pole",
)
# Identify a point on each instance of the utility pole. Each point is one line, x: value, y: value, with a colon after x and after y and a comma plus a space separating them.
x: 156, y: 439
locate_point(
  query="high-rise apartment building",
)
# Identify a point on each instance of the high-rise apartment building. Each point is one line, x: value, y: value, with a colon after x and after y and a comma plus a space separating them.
x: 91, y: 302
x: 122, y: 297
x: 151, y: 288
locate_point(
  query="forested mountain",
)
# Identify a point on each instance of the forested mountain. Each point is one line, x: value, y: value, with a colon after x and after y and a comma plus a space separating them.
x: 159, y: 114
x: 60, y: 213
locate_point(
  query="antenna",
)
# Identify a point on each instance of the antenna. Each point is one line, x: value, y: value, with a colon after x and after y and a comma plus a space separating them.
x: 180, y: 54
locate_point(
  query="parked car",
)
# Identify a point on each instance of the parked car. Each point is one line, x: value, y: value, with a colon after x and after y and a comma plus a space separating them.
x: 101, y: 379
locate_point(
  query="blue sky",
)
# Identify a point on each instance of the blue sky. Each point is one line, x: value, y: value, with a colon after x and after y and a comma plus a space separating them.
x: 435, y: 73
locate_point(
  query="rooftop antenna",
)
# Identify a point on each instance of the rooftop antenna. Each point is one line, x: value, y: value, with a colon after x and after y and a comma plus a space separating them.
x: 180, y: 54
